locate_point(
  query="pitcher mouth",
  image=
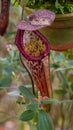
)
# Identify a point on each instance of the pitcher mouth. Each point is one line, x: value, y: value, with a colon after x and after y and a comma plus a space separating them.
x: 37, y: 20
x: 20, y: 45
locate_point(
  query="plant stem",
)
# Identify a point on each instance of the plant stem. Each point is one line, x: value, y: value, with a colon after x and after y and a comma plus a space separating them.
x: 22, y: 16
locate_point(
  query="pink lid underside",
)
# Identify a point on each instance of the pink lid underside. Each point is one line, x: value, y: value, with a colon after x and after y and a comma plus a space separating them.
x: 23, y: 25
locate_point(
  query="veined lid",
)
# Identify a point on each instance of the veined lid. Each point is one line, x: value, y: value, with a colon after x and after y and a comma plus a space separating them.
x: 37, y: 20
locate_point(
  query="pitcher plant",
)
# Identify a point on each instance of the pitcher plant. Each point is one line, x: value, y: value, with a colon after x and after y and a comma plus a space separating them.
x: 36, y: 49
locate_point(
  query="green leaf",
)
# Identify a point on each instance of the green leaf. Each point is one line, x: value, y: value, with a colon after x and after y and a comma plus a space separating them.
x: 69, y: 62
x: 25, y: 2
x: 44, y: 121
x: 60, y: 91
x: 27, y: 115
x: 71, y: 79
x: 60, y: 57
x: 59, y: 6
x: 54, y: 66
x: 64, y: 80
x: 14, y: 3
x: 71, y: 87
x: 50, y: 101
x: 5, y: 82
x: 34, y: 106
x: 8, y: 70
x: 26, y: 92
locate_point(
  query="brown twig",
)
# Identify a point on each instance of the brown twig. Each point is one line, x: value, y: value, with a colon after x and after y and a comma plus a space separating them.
x: 4, y: 15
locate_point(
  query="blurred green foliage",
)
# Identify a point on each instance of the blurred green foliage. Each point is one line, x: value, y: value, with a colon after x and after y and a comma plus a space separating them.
x: 58, y: 6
